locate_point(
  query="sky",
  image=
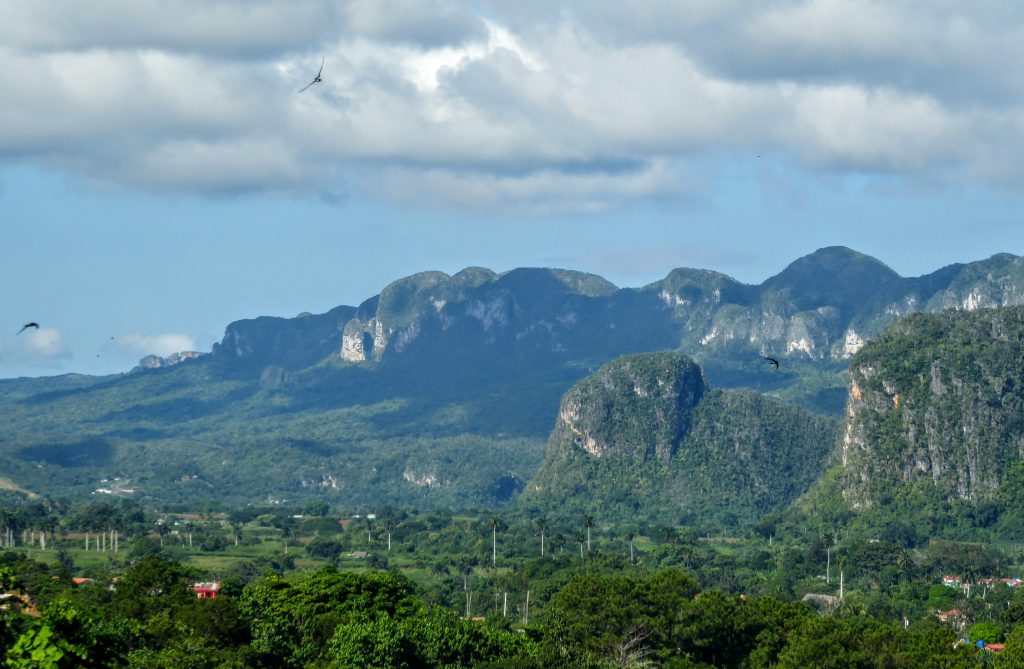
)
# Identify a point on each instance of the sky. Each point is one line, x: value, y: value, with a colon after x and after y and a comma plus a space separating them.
x: 161, y: 176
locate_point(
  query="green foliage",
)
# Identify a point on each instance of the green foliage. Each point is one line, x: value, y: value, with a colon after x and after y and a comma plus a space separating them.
x: 69, y: 635
x: 986, y: 631
x: 435, y: 637
x: 153, y: 585
x: 291, y: 623
x: 936, y: 431
x: 644, y: 438
x: 854, y: 642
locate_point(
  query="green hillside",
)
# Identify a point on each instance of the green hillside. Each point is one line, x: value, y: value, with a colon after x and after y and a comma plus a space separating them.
x: 645, y: 438
x: 934, y: 434
x: 442, y: 390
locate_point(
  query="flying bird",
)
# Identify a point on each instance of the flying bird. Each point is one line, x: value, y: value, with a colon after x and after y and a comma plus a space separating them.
x: 773, y: 361
x: 317, y: 79
x: 27, y: 326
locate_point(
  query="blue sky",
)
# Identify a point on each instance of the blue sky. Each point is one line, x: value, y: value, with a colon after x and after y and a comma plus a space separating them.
x: 160, y: 176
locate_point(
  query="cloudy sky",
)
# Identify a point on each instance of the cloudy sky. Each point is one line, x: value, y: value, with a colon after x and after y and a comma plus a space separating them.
x: 160, y: 175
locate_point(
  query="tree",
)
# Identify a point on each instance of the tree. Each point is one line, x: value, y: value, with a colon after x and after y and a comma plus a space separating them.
x: 495, y: 521
x: 560, y: 541
x: 291, y: 623
x: 318, y: 508
x: 986, y: 631
x: 389, y: 527
x: 286, y: 533
x: 69, y: 635
x: 588, y: 522
x: 542, y: 527
x: 151, y: 586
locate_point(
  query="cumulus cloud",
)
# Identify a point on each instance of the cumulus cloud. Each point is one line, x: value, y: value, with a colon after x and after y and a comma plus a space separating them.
x: 42, y: 347
x: 231, y: 28
x: 160, y: 344
x: 503, y: 104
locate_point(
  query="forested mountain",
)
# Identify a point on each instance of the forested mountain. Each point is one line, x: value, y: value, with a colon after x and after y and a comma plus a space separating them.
x: 442, y: 389
x: 644, y: 437
x: 935, y: 422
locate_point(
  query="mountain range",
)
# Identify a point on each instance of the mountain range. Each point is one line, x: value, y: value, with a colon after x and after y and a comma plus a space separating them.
x: 442, y: 390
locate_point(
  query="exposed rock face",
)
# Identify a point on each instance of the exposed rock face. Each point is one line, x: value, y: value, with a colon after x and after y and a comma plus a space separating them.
x: 363, y: 340
x: 936, y: 402
x: 523, y: 305
x: 645, y: 432
x: 824, y: 306
x: 392, y: 321
x: 640, y: 405
x: 156, y: 362
x: 291, y: 343
x: 815, y: 314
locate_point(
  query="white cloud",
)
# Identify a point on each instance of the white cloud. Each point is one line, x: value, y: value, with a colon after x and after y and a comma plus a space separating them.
x: 160, y: 344
x: 542, y: 192
x: 515, y: 105
x: 239, y: 28
x: 42, y: 347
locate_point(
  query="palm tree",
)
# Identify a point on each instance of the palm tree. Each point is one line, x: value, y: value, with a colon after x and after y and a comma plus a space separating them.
x: 588, y: 522
x: 542, y: 527
x: 842, y: 571
x: 629, y: 538
x: 286, y: 534
x: 580, y: 538
x: 369, y: 528
x: 495, y: 521
x: 236, y: 529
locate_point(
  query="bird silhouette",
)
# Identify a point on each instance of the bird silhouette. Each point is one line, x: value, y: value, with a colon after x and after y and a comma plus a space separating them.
x: 27, y: 326
x: 317, y: 78
x: 773, y: 361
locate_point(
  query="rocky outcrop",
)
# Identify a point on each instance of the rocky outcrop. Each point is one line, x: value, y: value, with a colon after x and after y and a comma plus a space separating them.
x: 935, y: 402
x: 814, y: 315
x: 640, y: 406
x: 646, y: 432
x: 157, y: 362
x: 291, y: 343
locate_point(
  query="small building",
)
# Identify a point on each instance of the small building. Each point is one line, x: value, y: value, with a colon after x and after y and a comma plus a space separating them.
x: 206, y: 590
x: 951, y: 581
x: 951, y: 616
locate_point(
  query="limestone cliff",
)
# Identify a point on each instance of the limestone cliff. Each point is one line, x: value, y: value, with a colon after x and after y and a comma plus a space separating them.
x: 936, y: 404
x: 645, y: 435
x: 158, y: 362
